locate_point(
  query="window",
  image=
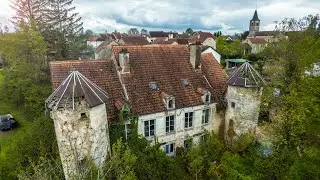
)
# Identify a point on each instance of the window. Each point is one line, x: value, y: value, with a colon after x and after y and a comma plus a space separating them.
x: 188, y: 117
x: 169, y: 124
x: 170, y: 104
x: 149, y: 128
x: 207, y: 98
x: 169, y: 149
x: 257, y: 24
x: 203, y: 139
x: 205, y: 116
x: 233, y: 105
x: 187, y: 143
x: 128, y: 131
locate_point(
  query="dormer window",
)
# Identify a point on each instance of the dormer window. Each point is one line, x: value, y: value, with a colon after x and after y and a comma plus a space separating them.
x: 207, y: 98
x: 169, y: 101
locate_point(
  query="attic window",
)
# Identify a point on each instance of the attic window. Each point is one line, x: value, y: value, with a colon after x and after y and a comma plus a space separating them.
x: 185, y: 82
x: 170, y: 104
x: 153, y: 86
x: 83, y: 116
x: 207, y: 98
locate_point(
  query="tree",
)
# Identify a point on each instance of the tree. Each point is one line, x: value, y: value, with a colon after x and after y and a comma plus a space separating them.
x: 89, y: 32
x: 244, y: 35
x: 144, y: 32
x: 28, y: 11
x: 133, y: 31
x: 63, y: 30
x: 189, y: 31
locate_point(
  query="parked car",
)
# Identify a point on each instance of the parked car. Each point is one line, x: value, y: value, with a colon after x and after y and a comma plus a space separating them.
x: 7, y: 122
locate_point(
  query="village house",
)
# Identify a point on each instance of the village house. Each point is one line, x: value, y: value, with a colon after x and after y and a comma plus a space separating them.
x: 205, y: 38
x: 254, y: 45
x: 133, y: 40
x: 161, y: 34
x: 95, y: 41
x: 176, y: 92
x: 209, y: 49
x: 104, y: 50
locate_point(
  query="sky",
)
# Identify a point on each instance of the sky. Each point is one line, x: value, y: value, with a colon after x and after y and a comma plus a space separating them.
x: 228, y: 16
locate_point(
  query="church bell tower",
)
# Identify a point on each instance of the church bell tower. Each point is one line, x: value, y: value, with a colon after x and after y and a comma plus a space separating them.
x: 254, y: 24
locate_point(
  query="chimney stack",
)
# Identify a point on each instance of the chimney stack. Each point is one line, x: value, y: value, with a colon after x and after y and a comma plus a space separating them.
x: 195, y: 55
x: 124, y: 61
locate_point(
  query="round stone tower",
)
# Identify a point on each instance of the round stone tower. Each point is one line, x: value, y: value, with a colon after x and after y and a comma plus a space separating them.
x: 79, y: 112
x: 243, y: 98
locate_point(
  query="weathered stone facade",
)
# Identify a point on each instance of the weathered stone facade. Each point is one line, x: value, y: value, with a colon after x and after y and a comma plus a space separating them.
x: 243, y: 108
x: 82, y: 134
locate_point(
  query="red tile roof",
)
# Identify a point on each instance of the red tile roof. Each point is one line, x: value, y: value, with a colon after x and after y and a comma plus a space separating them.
x: 134, y: 40
x: 170, y: 41
x: 167, y: 66
x: 216, y: 76
x: 257, y: 40
x: 100, y: 72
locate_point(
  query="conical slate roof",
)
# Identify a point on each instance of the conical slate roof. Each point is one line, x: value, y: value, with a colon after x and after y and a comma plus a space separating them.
x: 246, y: 76
x: 255, y: 16
x: 76, y: 86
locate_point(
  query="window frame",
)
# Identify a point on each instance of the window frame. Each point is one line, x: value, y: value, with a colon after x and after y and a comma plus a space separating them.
x: 204, y: 115
x: 170, y: 151
x: 169, y: 124
x: 149, y: 128
x: 187, y: 120
x: 233, y: 105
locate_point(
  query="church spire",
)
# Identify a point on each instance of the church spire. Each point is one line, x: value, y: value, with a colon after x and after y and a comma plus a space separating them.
x: 255, y: 16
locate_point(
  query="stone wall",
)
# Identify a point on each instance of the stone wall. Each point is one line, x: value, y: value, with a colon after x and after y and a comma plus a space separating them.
x: 82, y: 134
x: 243, y: 108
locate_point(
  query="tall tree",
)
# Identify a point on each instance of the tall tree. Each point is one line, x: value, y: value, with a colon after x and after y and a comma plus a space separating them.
x: 63, y: 29
x: 27, y: 11
x: 133, y: 31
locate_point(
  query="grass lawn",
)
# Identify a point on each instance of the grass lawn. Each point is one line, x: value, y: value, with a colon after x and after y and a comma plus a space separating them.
x: 8, y: 136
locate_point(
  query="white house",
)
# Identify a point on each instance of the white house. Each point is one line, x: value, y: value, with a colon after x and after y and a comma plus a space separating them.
x: 94, y: 41
x: 163, y: 86
x: 209, y: 49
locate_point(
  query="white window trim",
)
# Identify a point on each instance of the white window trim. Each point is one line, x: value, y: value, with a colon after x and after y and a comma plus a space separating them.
x: 154, y: 130
x: 173, y: 150
x: 193, y: 114
x: 174, y: 124
x: 205, y: 97
x: 203, y: 116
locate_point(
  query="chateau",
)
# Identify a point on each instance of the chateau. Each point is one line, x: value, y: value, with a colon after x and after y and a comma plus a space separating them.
x: 176, y: 92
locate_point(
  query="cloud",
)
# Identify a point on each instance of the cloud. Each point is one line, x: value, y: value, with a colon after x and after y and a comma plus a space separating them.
x: 228, y: 16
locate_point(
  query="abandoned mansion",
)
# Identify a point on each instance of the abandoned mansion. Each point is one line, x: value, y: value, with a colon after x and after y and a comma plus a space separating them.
x: 177, y: 93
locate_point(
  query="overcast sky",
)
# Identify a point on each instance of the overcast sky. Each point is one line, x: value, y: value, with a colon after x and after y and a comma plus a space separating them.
x: 228, y: 16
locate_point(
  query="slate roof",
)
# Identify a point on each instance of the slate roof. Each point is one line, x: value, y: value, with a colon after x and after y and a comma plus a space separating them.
x: 215, y: 74
x: 134, y: 40
x: 167, y: 66
x: 246, y: 76
x: 255, y: 16
x: 73, y: 87
x: 100, y: 72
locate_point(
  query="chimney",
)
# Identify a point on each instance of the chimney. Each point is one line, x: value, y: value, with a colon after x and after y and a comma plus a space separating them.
x: 195, y: 55
x: 124, y: 61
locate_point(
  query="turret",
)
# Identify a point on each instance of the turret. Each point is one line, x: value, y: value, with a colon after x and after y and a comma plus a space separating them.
x: 78, y: 110
x: 243, y: 98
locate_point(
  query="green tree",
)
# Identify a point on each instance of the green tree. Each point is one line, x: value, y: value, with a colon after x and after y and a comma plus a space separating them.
x: 134, y: 31
x: 189, y: 31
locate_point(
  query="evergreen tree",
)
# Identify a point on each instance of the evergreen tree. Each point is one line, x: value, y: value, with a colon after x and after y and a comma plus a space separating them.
x: 27, y: 11
x: 63, y: 29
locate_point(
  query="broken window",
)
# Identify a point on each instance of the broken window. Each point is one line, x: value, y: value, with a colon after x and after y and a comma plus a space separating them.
x: 169, y: 124
x: 149, y: 128
x: 187, y: 143
x: 233, y: 105
x: 188, y: 118
x: 169, y: 149
x: 205, y: 116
